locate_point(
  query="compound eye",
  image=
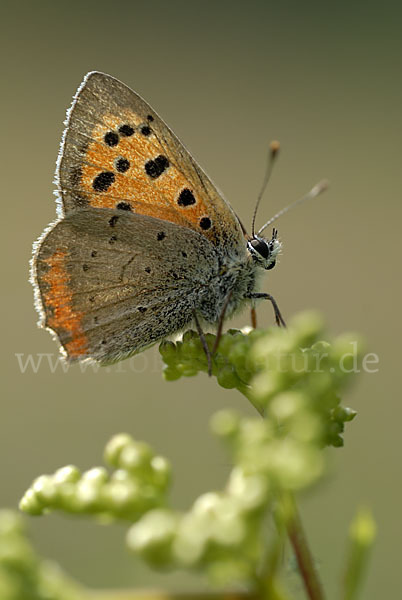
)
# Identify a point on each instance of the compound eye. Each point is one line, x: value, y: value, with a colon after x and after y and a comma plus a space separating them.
x: 261, y: 247
x: 271, y: 266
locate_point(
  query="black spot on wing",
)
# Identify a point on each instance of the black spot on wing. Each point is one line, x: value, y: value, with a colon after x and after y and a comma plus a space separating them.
x: 113, y: 220
x: 126, y: 130
x: 205, y: 223
x: 103, y: 181
x: 154, y: 168
x: 122, y: 164
x: 186, y: 198
x: 123, y: 206
x: 145, y: 130
x: 111, y: 138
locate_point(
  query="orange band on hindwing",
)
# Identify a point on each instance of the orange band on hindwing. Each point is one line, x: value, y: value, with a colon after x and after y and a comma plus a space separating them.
x: 59, y: 299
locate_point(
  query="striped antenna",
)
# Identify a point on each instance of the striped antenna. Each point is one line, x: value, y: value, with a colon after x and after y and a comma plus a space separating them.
x: 320, y: 187
x: 273, y: 153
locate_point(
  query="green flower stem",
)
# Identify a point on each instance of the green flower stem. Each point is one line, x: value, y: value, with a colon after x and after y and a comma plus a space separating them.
x: 268, y: 581
x: 303, y: 554
x: 298, y: 540
x: 258, y: 406
x: 297, y: 537
x: 361, y: 538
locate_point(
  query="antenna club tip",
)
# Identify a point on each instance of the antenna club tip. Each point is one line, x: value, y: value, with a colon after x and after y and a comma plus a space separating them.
x: 320, y: 187
x: 274, y: 147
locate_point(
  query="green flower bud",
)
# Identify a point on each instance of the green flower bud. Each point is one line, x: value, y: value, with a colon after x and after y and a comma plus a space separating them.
x: 171, y: 373
x: 124, y: 498
x: 68, y: 498
x: 136, y: 457
x: 153, y: 535
x: 362, y: 534
x: 336, y: 441
x: 227, y: 377
x: 96, y: 476
x: 168, y: 351
x: 250, y: 490
x: 225, y: 423
x: 189, y: 371
x: 67, y: 474
x: 306, y: 327
x: 31, y: 504
x: 161, y: 472
x: 87, y: 496
x: 342, y: 414
x: 189, y: 336
x: 287, y: 405
x: 45, y: 489
x: 11, y: 523
x: 115, y: 447
x: 190, y: 541
x: 267, y: 384
x: 293, y: 465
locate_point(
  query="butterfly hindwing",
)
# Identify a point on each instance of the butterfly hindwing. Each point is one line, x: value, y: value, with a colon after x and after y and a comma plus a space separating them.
x: 130, y: 281
x: 118, y: 153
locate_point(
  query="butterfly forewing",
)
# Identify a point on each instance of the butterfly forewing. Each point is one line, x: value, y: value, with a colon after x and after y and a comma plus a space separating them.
x: 117, y: 153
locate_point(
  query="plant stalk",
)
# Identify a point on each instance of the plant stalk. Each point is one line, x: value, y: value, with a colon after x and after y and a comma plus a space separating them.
x: 304, y: 558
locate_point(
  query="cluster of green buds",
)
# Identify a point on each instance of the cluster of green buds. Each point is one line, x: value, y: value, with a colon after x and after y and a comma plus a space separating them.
x: 23, y: 575
x: 280, y: 371
x: 138, y: 484
x: 222, y: 533
x: 293, y: 379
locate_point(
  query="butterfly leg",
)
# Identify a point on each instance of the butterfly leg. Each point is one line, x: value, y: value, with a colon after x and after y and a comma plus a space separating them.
x: 204, y: 343
x: 278, y: 317
x: 253, y: 317
x: 220, y: 323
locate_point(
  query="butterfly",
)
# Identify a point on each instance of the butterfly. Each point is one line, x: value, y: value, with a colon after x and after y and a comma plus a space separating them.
x: 144, y: 244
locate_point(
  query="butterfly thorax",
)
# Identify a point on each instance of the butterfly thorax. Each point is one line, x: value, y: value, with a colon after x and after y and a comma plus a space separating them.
x: 239, y: 275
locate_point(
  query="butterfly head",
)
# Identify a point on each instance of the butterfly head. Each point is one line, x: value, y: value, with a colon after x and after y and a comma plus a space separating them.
x: 264, y: 251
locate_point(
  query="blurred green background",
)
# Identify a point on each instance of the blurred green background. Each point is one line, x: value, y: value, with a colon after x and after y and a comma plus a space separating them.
x: 324, y: 79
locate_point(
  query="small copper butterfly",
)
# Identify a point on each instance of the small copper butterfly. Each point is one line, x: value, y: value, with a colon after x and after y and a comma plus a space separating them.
x: 144, y: 244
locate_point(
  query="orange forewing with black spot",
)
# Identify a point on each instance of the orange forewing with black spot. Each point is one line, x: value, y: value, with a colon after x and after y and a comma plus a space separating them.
x: 118, y: 152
